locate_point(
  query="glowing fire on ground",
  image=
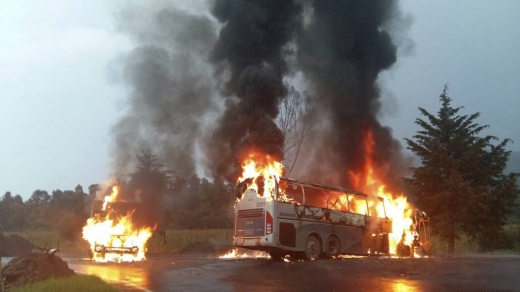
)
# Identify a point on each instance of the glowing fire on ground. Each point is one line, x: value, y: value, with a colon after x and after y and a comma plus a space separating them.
x: 396, y: 206
x: 244, y: 254
x: 261, y: 166
x: 115, y: 239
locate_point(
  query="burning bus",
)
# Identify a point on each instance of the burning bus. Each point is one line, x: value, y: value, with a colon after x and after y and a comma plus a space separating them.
x: 112, y: 231
x: 310, y: 220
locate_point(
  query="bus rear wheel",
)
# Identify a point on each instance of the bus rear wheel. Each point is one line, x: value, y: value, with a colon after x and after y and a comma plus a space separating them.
x: 312, y: 248
x: 332, y: 247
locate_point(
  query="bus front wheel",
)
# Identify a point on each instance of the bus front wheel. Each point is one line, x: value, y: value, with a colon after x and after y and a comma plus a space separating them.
x: 313, y: 248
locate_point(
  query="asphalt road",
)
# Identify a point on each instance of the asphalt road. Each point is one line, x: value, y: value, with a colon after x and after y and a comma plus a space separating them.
x: 171, y: 273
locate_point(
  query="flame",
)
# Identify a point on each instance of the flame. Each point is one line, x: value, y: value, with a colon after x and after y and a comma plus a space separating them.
x: 261, y: 166
x: 396, y: 205
x: 111, y: 198
x: 116, y: 239
x: 235, y: 254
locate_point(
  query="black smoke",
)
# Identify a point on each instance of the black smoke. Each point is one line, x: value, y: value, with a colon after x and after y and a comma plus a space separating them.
x: 204, y: 97
x: 342, y: 49
x: 171, y: 97
x: 251, y: 51
x: 171, y: 87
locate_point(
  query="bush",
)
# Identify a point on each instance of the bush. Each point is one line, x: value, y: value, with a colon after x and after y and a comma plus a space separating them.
x: 176, y: 240
x: 464, y: 244
x: 506, y: 240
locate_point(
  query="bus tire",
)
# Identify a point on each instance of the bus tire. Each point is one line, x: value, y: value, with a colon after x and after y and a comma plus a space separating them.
x: 332, y: 247
x: 312, y: 248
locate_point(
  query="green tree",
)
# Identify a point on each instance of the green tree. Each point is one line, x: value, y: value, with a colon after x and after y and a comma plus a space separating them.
x: 461, y: 183
x: 148, y: 184
x: 12, y: 213
x: 199, y: 203
x: 93, y: 189
x: 39, y: 198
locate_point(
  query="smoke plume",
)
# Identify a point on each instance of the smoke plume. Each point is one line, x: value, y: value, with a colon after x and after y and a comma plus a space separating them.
x: 251, y: 49
x: 183, y: 71
x: 171, y: 87
x: 341, y: 51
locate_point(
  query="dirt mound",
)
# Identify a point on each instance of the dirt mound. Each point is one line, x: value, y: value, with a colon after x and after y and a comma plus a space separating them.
x: 14, y: 245
x: 34, y: 267
x: 206, y: 248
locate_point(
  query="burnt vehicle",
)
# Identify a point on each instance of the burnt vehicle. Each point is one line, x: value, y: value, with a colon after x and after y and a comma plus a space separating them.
x: 309, y: 220
x: 115, y: 238
x: 421, y: 231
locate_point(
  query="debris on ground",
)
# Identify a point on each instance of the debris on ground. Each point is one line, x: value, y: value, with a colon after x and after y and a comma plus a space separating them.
x: 33, y: 267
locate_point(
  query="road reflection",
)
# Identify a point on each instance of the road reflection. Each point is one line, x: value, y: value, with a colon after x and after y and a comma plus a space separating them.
x: 403, y: 286
x: 331, y: 284
x: 133, y: 275
x: 210, y: 275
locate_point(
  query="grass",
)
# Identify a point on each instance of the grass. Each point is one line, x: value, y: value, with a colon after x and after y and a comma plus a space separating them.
x: 80, y: 283
x: 47, y: 238
x: 462, y: 245
x: 508, y: 239
x: 176, y: 240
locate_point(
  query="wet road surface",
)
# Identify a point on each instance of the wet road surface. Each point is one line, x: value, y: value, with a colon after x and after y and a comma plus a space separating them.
x: 462, y: 273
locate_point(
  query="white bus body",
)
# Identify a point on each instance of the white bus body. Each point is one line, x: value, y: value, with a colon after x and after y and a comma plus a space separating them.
x: 311, y: 220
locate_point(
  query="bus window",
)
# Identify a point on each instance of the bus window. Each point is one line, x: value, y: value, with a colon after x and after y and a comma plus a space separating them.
x: 290, y: 193
x: 315, y: 197
x: 338, y: 201
x: 377, y: 207
x: 358, y: 204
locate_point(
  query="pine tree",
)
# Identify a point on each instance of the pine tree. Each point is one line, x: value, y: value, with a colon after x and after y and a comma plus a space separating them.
x: 460, y: 183
x: 148, y: 184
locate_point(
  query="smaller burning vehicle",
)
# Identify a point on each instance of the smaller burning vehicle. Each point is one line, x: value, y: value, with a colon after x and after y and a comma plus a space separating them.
x: 118, y: 244
x: 112, y: 232
x: 421, y: 231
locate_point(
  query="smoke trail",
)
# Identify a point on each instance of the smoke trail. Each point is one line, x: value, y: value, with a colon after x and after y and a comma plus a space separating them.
x: 252, y: 46
x: 341, y: 51
x: 171, y: 96
x: 171, y: 87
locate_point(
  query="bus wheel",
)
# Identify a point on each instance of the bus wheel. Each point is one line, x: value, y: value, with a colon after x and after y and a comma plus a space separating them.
x: 276, y: 256
x: 332, y: 248
x: 313, y: 248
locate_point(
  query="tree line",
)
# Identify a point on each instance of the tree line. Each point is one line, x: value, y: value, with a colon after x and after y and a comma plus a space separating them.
x: 176, y: 202
x: 61, y: 210
x: 462, y: 184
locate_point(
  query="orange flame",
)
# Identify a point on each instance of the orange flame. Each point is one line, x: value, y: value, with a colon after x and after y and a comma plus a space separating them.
x: 115, y: 239
x: 397, y: 207
x: 235, y: 254
x: 111, y: 198
x: 261, y: 165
